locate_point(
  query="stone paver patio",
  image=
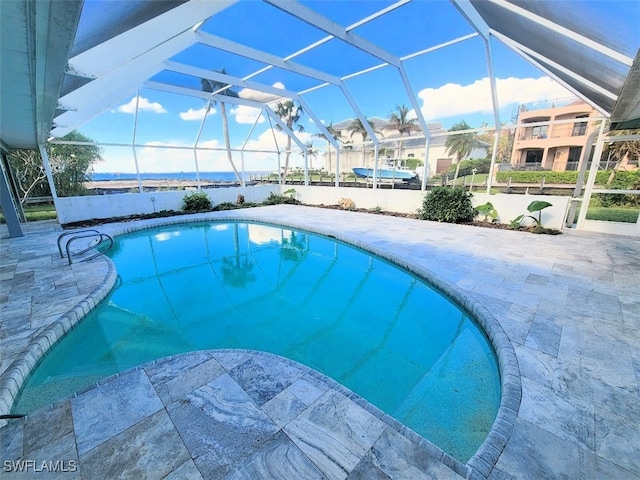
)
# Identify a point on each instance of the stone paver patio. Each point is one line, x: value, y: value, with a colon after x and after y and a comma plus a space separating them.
x: 569, y: 305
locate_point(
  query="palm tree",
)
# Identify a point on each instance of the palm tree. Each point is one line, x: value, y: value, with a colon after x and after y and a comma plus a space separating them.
x: 290, y: 113
x: 334, y: 133
x: 460, y: 144
x: 313, y: 153
x: 399, y: 121
x: 622, y: 150
x: 356, y: 126
x: 213, y: 86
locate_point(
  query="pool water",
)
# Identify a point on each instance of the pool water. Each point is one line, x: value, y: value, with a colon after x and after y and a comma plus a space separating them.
x: 362, y: 321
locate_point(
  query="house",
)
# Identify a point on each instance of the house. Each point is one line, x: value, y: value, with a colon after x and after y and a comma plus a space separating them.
x: 556, y: 147
x: 393, y: 145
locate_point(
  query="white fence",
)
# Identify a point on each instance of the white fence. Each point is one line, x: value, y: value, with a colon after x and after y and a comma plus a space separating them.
x: 76, y: 209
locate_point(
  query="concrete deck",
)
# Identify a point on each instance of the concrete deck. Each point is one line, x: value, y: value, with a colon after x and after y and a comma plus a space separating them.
x: 569, y: 304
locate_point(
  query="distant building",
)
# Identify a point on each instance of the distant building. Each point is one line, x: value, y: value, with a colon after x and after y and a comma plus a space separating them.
x: 552, y: 147
x: 351, y: 154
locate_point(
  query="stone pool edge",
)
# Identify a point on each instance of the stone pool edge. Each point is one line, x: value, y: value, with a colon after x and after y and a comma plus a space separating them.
x: 12, y: 380
x: 479, y: 466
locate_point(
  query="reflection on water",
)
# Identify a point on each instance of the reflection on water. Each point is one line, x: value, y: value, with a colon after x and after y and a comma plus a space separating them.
x: 360, y: 320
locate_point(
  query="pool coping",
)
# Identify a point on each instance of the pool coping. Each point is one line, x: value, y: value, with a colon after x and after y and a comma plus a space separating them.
x: 479, y: 466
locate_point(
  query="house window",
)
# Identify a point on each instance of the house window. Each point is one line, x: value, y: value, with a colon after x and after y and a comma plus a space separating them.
x: 574, y: 158
x: 534, y: 156
x: 579, y: 128
x: 540, y: 131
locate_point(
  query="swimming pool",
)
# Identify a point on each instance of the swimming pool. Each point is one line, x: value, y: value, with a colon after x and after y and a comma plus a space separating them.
x: 364, y: 322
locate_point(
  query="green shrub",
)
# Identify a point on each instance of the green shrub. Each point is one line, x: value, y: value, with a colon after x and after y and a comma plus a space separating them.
x: 622, y: 181
x: 196, y: 202
x: 274, y: 199
x: 488, y: 211
x: 447, y: 204
x: 481, y: 164
x: 413, y: 163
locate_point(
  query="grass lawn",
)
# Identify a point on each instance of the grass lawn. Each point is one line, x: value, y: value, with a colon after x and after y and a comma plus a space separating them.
x: 37, y: 212
x: 612, y: 214
x: 478, y: 180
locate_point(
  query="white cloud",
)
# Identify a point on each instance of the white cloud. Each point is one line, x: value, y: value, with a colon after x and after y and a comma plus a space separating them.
x: 192, y: 114
x: 454, y: 99
x: 244, y: 114
x: 250, y: 94
x: 268, y: 161
x: 143, y: 105
x: 248, y: 115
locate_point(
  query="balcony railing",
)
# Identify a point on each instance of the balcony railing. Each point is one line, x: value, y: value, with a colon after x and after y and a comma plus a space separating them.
x: 529, y: 136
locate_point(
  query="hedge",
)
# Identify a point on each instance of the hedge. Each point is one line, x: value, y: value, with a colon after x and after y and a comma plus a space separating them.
x: 553, y: 177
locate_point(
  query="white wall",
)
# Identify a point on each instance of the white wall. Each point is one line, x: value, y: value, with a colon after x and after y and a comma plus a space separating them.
x: 406, y: 201
x: 76, y: 209
x: 508, y: 206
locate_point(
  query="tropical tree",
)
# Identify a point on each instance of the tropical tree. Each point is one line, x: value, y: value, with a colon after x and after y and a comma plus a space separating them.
x: 334, y: 133
x: 71, y: 166
x: 313, y: 153
x: 620, y: 150
x: 213, y: 86
x: 399, y: 121
x: 290, y: 113
x: 356, y: 126
x: 505, y: 142
x: 460, y: 145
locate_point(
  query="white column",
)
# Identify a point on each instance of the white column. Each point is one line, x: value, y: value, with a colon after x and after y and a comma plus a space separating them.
x: 337, y: 181
x: 425, y: 173
x: 135, y: 160
x: 595, y: 163
x: 47, y: 170
x: 195, y: 158
x: 496, y: 110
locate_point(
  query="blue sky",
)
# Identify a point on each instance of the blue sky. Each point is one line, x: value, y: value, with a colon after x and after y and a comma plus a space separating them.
x: 451, y: 83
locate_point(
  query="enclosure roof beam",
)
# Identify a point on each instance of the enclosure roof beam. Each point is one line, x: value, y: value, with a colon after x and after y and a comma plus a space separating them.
x: 229, y: 79
x: 102, y: 93
x: 557, y: 28
x: 468, y: 11
x: 535, y: 60
x: 263, y: 57
x: 144, y: 38
x: 224, y: 78
x: 318, y: 21
x: 163, y: 87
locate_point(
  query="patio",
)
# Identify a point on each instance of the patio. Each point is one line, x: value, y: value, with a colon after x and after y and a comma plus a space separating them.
x: 569, y: 305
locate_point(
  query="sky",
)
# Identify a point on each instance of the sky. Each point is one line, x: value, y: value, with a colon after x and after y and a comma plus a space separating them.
x: 451, y: 83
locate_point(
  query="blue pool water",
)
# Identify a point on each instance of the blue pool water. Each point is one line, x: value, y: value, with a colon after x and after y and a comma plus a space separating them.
x: 368, y: 324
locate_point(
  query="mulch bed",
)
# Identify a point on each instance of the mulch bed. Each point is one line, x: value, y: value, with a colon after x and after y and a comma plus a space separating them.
x: 499, y: 226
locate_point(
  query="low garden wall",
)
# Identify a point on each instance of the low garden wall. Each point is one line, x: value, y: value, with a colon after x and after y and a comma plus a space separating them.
x: 508, y: 206
x: 77, y: 209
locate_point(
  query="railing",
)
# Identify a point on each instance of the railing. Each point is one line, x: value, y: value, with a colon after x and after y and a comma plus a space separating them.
x: 77, y: 235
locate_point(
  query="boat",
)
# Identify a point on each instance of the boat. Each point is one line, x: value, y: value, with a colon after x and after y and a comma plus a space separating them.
x: 387, y: 171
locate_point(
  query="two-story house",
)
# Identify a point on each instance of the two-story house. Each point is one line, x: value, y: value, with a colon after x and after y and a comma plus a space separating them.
x: 556, y: 147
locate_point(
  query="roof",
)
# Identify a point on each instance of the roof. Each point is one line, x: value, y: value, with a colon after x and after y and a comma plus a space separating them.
x: 65, y: 61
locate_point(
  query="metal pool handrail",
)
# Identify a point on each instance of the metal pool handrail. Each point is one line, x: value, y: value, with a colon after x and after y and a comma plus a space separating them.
x: 71, y: 233
x: 102, y: 236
